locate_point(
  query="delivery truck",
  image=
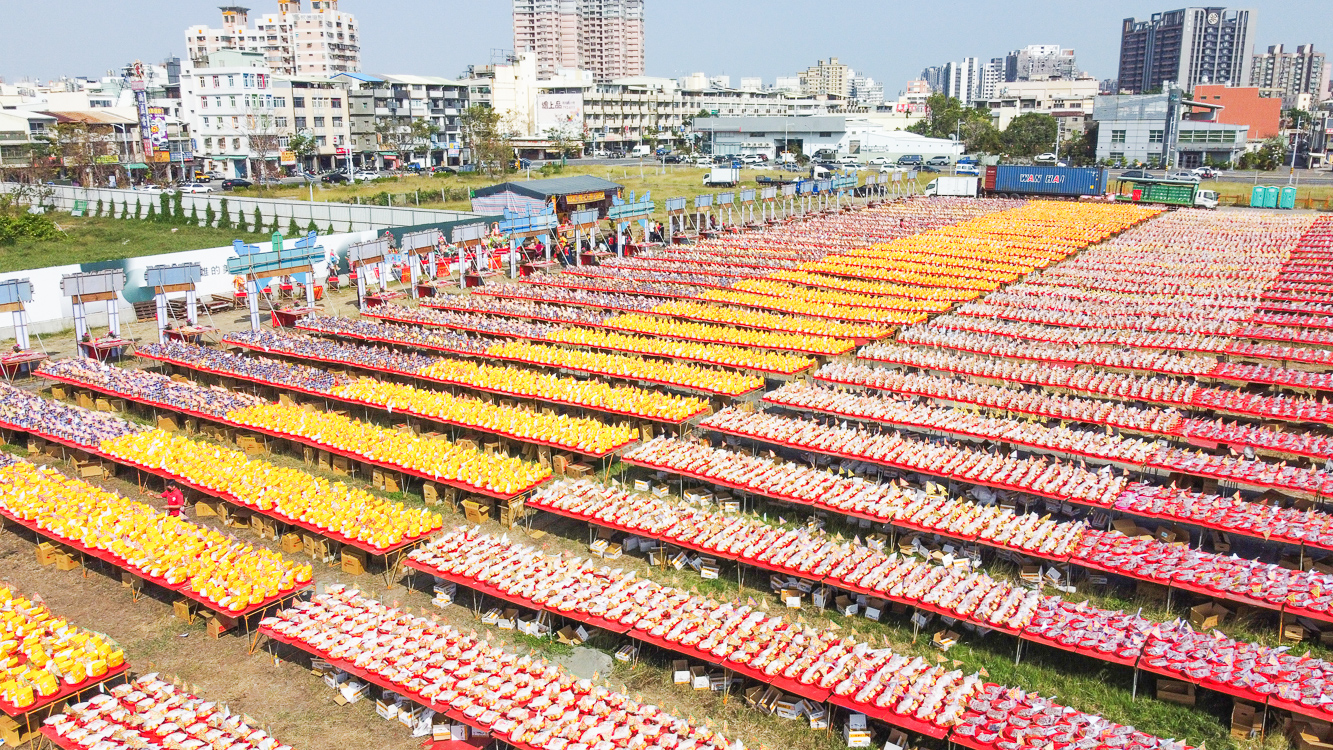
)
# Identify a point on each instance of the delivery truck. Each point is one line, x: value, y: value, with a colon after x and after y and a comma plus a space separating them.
x: 1167, y: 192
x: 965, y: 187
x: 1052, y: 182
x: 724, y: 176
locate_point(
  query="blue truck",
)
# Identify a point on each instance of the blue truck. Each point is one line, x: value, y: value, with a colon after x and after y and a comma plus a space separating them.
x: 1054, y: 182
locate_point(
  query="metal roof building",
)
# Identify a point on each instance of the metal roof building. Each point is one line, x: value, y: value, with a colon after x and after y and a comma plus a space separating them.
x: 530, y: 196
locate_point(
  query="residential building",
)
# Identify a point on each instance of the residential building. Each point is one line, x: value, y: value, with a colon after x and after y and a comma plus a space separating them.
x: 1070, y: 102
x: 992, y: 75
x: 1040, y: 62
x: 320, y: 42
x: 843, y: 134
x: 962, y: 80
x: 1165, y: 129
x: 934, y: 78
x: 605, y: 37
x: 319, y: 108
x: 1185, y: 47
x: 1288, y: 75
x: 754, y: 84
x: 19, y: 129
x: 235, y: 114
x: 830, y: 78
x: 383, y: 108
x: 1109, y: 86
x: 1244, y: 105
x: 864, y: 90
x: 790, y: 84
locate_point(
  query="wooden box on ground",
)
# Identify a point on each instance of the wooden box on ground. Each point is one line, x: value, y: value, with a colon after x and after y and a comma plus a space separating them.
x: 1175, y: 691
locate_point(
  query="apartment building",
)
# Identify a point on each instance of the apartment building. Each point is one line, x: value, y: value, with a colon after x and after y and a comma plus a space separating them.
x: 322, y: 41
x: 605, y: 37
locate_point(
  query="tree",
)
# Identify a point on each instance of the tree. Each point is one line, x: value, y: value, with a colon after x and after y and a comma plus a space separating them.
x: 303, y: 146
x: 1269, y: 156
x: 84, y: 153
x: 947, y: 117
x: 1081, y: 149
x: 565, y: 139
x: 1030, y: 134
x: 479, y: 128
x: 259, y: 221
x: 224, y: 215
x: 210, y: 215
x: 261, y: 133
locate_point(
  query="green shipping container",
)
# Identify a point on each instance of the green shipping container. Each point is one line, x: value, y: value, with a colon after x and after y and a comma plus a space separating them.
x: 1288, y: 198
x: 1175, y: 195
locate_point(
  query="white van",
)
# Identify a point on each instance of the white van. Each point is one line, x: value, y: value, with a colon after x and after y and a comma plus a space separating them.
x: 641, y: 151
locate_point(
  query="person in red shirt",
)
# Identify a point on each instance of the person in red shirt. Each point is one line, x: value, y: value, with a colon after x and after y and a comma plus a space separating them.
x: 175, y: 500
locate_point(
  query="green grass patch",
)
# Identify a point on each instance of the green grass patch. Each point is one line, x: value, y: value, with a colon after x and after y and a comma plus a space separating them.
x: 92, y: 239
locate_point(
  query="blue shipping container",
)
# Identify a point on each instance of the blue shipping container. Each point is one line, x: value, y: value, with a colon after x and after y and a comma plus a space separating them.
x: 1063, y: 181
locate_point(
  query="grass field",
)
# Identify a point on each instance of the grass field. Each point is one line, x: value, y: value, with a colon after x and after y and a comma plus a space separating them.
x: 88, y: 240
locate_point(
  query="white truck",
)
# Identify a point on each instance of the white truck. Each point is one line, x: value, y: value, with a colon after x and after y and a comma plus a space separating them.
x: 722, y: 176
x: 956, y: 186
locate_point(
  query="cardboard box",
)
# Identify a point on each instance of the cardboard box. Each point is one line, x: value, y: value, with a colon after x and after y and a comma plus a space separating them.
x: 1208, y: 615
x: 875, y: 608
x: 315, y: 546
x: 1246, y: 721
x: 183, y: 609
x: 1293, y: 632
x: 508, y: 619
x: 342, y: 465
x: 46, y: 553
x: 66, y: 561
x: 353, y: 561
x: 250, y: 445
x: 846, y: 606
x: 680, y: 672
x: 167, y: 423
x: 291, y: 543
x: 354, y: 691
x: 945, y: 640
x: 627, y: 653
x: 1175, y: 691
x: 699, y: 678
x: 769, y: 702
x: 12, y: 733
x: 216, y: 627
x: 476, y: 513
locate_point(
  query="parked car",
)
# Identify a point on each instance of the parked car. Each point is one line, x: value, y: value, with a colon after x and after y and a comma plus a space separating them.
x: 967, y: 169
x: 675, y: 159
x: 968, y: 160
x: 366, y: 174
x: 334, y: 177
x: 236, y: 182
x: 1183, y: 176
x: 1205, y: 173
x: 910, y: 160
x: 195, y: 187
x: 1046, y: 157
x: 938, y: 161
x: 1137, y: 174
x: 878, y: 160
x: 441, y: 169
x: 928, y: 168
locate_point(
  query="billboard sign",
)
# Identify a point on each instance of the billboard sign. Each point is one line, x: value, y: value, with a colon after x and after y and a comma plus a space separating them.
x: 157, y: 128
x: 563, y: 112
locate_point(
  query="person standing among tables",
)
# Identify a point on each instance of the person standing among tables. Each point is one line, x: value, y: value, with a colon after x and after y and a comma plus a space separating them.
x: 175, y: 500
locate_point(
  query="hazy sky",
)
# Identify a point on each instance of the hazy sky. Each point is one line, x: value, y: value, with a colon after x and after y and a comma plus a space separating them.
x: 887, y: 39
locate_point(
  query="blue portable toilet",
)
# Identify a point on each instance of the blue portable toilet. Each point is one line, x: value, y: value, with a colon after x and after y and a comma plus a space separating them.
x: 1257, y: 197
x: 1270, y: 196
x: 1288, y: 198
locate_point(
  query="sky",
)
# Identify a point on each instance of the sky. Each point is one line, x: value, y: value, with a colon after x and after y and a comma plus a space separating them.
x: 888, y: 40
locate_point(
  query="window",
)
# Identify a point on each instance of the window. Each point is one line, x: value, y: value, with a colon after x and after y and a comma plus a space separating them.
x: 284, y: 141
x: 1117, y: 156
x: 235, y: 144
x: 203, y: 102
x: 235, y: 122
x: 337, y: 122
x: 208, y: 143
x: 205, y: 122
x: 300, y: 123
x: 216, y: 82
x: 1155, y: 136
x: 280, y: 122
x: 233, y: 100
x: 320, y: 140
x: 1117, y: 136
x: 231, y: 82
x: 217, y: 101
x: 319, y: 122
x: 336, y: 103
x: 280, y: 102
x: 298, y: 102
